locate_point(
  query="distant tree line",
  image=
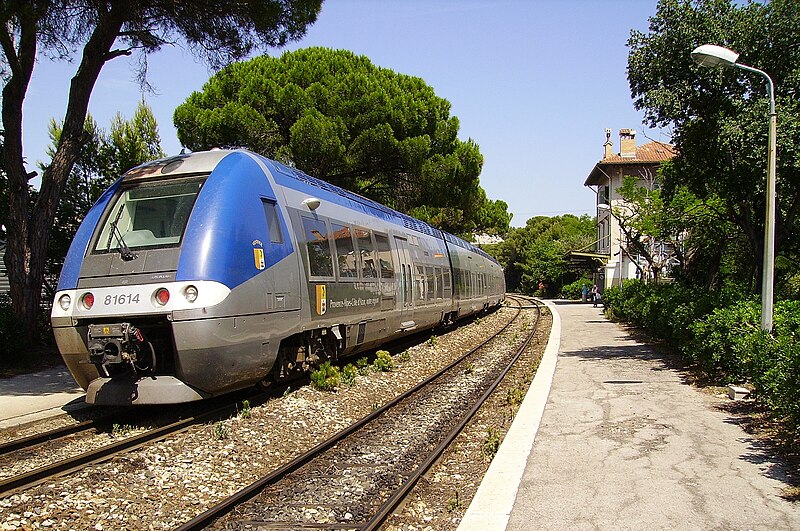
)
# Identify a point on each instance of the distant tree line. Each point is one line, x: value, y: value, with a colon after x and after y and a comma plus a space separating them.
x: 535, y: 259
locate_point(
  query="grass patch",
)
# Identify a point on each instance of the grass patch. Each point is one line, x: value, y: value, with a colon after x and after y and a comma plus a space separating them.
x: 490, y: 444
x: 220, y: 431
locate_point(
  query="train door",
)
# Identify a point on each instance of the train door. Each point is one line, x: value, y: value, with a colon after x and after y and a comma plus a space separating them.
x: 405, y: 279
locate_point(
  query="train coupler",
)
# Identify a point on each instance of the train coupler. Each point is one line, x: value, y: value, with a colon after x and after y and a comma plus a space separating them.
x: 120, y: 348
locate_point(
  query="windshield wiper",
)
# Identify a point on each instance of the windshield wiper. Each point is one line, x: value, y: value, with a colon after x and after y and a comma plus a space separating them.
x: 124, y: 251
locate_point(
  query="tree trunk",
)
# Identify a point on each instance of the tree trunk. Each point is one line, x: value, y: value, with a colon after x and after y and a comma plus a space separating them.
x: 17, y: 259
x: 29, y: 228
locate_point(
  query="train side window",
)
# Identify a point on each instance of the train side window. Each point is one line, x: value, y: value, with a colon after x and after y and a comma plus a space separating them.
x: 439, y: 283
x: 273, y: 221
x: 431, y: 281
x: 384, y: 256
x: 446, y: 280
x: 345, y: 251
x: 320, y: 259
x: 366, y: 252
x: 421, y: 282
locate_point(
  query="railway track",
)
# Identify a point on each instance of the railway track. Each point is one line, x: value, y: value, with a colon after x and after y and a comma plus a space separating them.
x: 9, y: 450
x: 356, y: 478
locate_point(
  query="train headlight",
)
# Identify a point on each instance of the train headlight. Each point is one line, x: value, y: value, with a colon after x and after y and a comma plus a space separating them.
x: 162, y: 296
x: 64, y: 301
x: 87, y: 300
x: 190, y: 292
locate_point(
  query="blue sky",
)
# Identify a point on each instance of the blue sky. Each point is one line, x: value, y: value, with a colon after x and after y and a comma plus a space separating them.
x: 534, y: 83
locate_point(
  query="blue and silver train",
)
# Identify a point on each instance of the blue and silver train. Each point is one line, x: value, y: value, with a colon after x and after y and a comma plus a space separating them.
x: 200, y: 274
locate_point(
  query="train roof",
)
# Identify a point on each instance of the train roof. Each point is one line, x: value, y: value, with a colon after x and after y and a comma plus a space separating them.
x: 354, y: 200
x: 206, y: 161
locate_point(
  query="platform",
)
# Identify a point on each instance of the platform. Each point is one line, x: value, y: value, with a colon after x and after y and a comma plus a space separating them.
x: 612, y: 436
x: 38, y: 395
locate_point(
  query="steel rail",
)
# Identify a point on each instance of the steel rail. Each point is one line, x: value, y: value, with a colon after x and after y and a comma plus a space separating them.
x: 37, y: 439
x: 66, y: 466
x: 40, y: 438
x: 204, y: 519
x: 394, y: 500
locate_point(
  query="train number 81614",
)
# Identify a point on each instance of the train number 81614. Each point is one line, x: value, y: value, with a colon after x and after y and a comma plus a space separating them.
x: 118, y: 300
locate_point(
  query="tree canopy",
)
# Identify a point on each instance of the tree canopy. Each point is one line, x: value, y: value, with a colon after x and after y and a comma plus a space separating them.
x: 97, y: 32
x: 719, y: 116
x: 338, y: 117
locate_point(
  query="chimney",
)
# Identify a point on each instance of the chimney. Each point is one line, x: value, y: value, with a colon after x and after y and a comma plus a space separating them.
x: 627, y: 143
x: 607, y: 147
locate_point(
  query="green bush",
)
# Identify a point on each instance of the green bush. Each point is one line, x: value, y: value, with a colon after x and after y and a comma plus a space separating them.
x: 666, y: 311
x: 383, y: 362
x: 573, y: 291
x: 722, y: 342
x: 326, y: 378
x: 775, y: 367
x: 349, y: 373
x: 722, y: 334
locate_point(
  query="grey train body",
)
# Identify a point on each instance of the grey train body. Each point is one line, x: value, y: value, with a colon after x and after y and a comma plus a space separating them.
x: 267, y: 272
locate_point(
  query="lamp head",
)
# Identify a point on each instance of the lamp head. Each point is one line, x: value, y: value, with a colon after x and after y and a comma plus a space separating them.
x: 711, y: 55
x: 312, y: 203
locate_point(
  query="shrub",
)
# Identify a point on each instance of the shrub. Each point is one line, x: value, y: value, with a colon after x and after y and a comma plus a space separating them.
x: 362, y: 364
x: 383, y: 362
x: 573, y: 291
x: 722, y: 334
x: 326, y: 378
x: 349, y: 373
x: 666, y: 311
x: 722, y: 342
x: 775, y: 369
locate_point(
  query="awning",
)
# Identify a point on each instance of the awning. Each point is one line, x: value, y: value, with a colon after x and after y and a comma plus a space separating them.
x: 586, y: 260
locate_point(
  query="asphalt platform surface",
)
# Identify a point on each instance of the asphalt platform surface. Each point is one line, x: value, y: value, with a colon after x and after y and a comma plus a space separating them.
x: 612, y: 436
x: 38, y: 395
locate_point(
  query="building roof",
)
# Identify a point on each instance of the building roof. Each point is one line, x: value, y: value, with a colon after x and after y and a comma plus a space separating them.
x: 652, y: 153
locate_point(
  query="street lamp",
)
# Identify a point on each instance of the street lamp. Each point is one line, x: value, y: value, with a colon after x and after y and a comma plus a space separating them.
x: 711, y: 55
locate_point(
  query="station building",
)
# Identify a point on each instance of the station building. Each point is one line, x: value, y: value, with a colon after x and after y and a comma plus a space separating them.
x: 612, y: 259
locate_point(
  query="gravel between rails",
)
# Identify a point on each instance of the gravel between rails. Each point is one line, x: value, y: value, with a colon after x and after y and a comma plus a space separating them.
x: 170, y: 482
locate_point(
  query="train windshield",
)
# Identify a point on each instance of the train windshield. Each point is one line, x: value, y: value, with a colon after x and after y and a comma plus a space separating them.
x: 150, y: 215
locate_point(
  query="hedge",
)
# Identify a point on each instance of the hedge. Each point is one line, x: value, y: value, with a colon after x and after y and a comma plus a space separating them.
x: 723, y: 338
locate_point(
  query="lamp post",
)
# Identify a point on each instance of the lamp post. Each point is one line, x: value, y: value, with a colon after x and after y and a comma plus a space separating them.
x: 711, y: 55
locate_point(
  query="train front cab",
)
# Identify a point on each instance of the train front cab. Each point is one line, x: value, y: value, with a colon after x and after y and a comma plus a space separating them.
x: 232, y: 284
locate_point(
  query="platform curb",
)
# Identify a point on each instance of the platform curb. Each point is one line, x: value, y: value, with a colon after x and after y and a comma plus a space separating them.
x: 491, y: 507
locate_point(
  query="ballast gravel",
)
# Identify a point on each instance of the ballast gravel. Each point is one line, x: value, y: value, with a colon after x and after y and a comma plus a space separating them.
x: 167, y: 483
